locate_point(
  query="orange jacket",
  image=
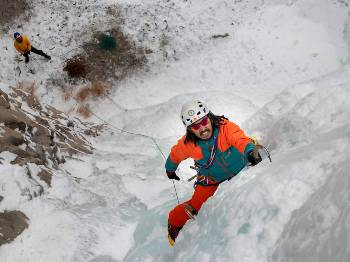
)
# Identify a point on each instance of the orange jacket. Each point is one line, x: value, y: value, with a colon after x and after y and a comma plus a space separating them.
x: 231, y: 157
x: 24, y: 46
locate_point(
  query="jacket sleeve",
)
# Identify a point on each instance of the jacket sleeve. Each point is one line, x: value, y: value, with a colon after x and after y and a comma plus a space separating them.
x: 237, y: 138
x: 17, y: 48
x: 28, y: 43
x: 177, y: 154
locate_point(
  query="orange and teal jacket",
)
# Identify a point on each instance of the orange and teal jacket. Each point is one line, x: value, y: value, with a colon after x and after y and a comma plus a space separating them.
x: 24, y: 46
x: 233, y: 147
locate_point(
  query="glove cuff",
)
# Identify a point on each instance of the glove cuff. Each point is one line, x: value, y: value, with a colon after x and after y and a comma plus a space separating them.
x: 172, y: 175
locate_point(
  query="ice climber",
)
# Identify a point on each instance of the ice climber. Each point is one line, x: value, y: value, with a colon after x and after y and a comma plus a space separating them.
x: 220, y: 150
x: 23, y: 45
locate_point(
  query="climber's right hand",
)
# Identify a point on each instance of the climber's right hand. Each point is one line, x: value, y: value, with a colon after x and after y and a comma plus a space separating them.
x: 172, y: 175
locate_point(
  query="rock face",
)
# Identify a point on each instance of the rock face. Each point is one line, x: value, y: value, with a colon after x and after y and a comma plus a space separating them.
x: 39, y: 136
x: 11, y: 225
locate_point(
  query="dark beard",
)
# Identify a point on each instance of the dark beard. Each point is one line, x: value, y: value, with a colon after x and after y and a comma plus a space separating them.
x: 203, y: 132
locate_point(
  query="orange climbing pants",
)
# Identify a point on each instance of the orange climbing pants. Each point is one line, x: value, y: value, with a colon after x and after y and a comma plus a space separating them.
x: 178, y: 216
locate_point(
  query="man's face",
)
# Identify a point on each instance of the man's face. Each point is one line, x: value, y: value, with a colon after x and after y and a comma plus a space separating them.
x: 19, y: 39
x: 202, y: 128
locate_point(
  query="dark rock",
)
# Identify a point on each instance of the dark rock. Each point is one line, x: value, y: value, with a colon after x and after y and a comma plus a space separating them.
x: 45, y: 176
x: 12, y: 224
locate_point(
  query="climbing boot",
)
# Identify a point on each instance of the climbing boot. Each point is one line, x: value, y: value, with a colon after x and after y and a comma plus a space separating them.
x: 173, y: 232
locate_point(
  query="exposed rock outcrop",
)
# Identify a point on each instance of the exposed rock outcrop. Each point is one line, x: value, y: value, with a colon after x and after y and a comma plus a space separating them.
x: 11, y: 225
x: 39, y: 134
x: 40, y: 137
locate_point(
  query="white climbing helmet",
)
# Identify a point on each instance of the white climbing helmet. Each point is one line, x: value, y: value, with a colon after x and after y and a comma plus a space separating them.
x: 193, y: 111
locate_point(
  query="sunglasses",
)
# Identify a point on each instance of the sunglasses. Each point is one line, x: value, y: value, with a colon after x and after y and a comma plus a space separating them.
x: 198, y: 125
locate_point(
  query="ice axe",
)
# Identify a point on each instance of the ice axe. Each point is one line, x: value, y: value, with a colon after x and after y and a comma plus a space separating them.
x: 259, y: 147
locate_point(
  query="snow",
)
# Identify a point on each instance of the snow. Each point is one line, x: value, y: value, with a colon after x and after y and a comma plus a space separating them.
x: 282, y: 74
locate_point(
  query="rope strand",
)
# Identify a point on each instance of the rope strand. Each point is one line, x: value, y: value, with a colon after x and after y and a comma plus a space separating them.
x: 142, y: 135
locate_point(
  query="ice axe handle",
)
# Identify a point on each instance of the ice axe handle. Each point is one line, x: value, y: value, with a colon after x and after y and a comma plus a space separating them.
x: 256, y: 151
